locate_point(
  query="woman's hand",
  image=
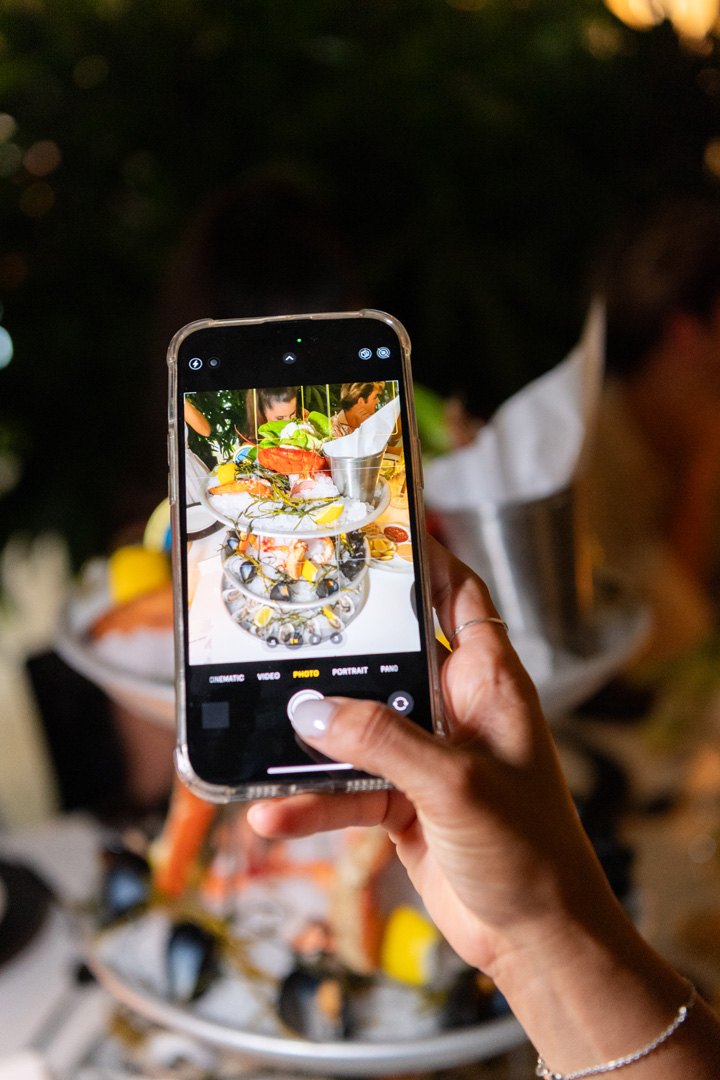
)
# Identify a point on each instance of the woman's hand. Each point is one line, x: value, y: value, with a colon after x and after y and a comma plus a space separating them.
x: 482, y: 819
x: 486, y: 828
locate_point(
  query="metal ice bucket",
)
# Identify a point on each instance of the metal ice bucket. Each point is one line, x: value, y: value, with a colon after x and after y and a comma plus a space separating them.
x: 535, y: 558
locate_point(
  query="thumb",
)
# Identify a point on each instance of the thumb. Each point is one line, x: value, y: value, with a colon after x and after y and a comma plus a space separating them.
x: 371, y: 737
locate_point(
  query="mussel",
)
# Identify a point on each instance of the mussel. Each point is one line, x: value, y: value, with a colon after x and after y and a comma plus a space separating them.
x: 352, y: 567
x: 326, y: 587
x: 281, y: 591
x: 192, y: 956
x: 125, y: 882
x: 315, y: 1005
x: 355, y: 543
x: 248, y: 572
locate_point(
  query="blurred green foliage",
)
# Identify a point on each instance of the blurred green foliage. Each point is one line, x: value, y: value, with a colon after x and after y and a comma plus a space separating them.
x: 475, y: 155
x: 225, y: 412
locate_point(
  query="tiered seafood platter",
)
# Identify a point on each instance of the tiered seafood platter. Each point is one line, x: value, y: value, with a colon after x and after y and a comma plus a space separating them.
x: 295, y: 558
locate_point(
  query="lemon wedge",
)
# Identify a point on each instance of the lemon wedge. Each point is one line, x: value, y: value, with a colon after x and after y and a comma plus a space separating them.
x: 263, y: 616
x: 309, y: 570
x: 134, y: 570
x: 329, y: 514
x: 409, y: 946
x: 226, y: 472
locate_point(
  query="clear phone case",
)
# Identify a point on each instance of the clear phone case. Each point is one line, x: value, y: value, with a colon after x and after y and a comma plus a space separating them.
x: 225, y: 791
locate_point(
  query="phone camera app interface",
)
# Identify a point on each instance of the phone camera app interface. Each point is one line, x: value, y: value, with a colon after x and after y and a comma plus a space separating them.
x: 300, y: 544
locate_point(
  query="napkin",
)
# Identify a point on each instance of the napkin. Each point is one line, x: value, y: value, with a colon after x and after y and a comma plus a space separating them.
x: 535, y: 442
x: 24, y: 1065
x: 371, y: 437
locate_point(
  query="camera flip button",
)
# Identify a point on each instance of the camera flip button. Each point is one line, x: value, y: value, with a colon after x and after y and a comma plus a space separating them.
x: 401, y: 702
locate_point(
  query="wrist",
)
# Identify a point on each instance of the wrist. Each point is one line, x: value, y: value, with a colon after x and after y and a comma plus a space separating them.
x: 591, y: 991
x: 544, y: 1071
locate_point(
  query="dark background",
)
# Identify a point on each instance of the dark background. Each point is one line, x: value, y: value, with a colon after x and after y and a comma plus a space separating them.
x: 474, y: 154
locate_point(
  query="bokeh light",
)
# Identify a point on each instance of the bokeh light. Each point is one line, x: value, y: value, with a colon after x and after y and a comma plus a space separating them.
x: 711, y: 157
x: 693, y: 19
x: 639, y: 14
x: 42, y: 158
x: 6, y: 348
x: 8, y: 126
x: 603, y: 40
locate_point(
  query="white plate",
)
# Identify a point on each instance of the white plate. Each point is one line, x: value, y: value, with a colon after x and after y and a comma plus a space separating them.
x: 396, y: 565
x: 350, y: 1057
x: 199, y: 519
x: 268, y: 526
x: 148, y: 696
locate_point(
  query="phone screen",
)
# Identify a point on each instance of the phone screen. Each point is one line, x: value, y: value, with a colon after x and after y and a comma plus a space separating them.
x: 297, y: 542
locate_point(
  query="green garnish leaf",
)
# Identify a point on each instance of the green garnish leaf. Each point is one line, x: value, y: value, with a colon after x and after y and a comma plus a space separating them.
x: 322, y: 423
x: 272, y: 429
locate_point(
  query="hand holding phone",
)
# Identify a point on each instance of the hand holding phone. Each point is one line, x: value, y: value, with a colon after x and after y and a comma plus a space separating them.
x: 298, y: 554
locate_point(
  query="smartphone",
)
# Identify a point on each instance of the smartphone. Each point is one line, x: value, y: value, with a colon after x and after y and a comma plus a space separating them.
x: 298, y: 559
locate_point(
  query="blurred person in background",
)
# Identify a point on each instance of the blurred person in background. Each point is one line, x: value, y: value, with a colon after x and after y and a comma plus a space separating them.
x: 654, y: 478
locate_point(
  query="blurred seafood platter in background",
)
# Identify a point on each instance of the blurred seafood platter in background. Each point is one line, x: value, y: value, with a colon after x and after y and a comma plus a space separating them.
x: 322, y: 939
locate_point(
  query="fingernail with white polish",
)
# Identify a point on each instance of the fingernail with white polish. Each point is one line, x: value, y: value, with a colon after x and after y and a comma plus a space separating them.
x: 311, y: 719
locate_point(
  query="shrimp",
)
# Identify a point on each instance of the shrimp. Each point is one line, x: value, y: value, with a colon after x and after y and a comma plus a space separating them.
x: 321, y: 550
x: 287, y: 558
x: 243, y: 485
x: 297, y: 552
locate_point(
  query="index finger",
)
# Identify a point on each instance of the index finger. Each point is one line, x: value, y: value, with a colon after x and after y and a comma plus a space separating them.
x: 312, y: 812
